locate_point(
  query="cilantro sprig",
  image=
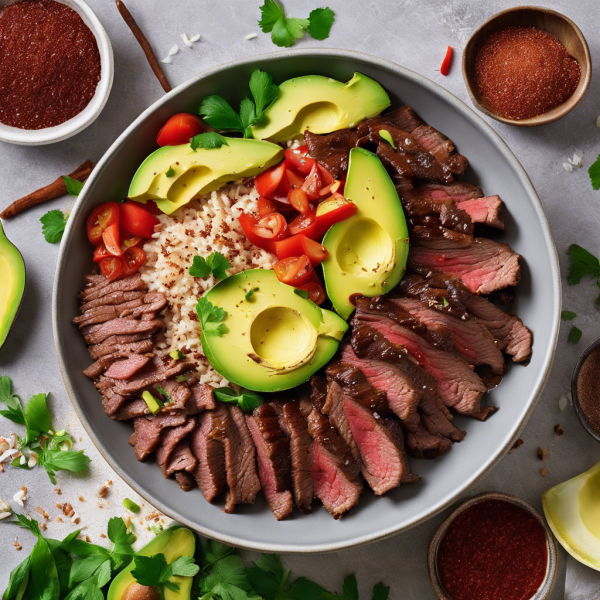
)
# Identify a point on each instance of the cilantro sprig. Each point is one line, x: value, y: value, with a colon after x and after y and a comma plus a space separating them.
x: 210, y: 317
x: 74, y: 186
x: 594, y: 172
x: 218, y: 113
x: 583, y: 264
x: 155, y: 571
x: 246, y: 399
x: 214, y: 264
x: 53, y: 226
x: 210, y: 140
x: 286, y: 30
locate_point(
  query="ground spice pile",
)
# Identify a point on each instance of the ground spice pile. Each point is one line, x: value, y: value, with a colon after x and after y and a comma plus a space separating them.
x: 522, y: 72
x: 49, y: 64
x: 588, y: 388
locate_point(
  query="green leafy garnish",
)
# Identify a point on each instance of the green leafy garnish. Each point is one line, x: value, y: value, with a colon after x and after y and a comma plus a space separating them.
x: 384, y: 134
x: 249, y: 294
x: 285, y: 31
x: 227, y: 580
x: 37, y: 417
x: 170, y: 172
x: 381, y: 592
x: 210, y: 140
x: 53, y: 226
x: 567, y: 315
x: 582, y: 264
x: 55, y: 459
x: 131, y: 505
x: 183, y: 377
x: 74, y: 186
x: 154, y: 570
x: 214, y: 264
x: 574, y: 335
x: 164, y: 393
x: 176, y: 355
x: 445, y: 302
x: 210, y: 317
x: 594, y: 172
x: 302, y: 293
x: 246, y: 399
x: 14, y: 408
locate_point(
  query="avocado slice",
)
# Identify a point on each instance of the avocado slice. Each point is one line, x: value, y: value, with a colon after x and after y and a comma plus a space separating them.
x: 12, y: 276
x: 174, y: 175
x: 275, y: 339
x: 320, y: 104
x: 173, y: 543
x: 368, y: 251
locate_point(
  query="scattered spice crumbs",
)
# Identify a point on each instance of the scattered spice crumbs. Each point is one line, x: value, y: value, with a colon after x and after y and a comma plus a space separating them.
x: 544, y: 472
x: 542, y: 453
x: 558, y: 429
x: 518, y: 443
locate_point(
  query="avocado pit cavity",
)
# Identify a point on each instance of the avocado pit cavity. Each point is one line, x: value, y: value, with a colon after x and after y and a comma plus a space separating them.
x: 135, y: 591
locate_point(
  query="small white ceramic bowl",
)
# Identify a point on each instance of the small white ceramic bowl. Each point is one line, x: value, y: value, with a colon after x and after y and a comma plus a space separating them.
x: 90, y: 113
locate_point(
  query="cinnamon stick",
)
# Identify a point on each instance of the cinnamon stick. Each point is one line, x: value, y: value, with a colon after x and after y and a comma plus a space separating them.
x: 143, y: 42
x: 54, y: 190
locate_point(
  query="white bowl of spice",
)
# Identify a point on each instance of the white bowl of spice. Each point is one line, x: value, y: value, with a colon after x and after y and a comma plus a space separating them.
x: 56, y: 70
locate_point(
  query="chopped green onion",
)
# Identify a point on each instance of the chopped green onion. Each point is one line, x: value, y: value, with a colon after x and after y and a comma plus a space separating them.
x: 131, y: 505
x: 387, y: 136
x: 177, y: 355
x: 154, y: 404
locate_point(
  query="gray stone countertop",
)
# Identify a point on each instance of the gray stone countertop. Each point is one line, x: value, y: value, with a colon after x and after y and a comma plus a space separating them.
x: 414, y: 34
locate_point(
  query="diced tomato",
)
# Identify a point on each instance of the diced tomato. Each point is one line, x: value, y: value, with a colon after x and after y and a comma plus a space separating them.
x: 332, y: 188
x: 179, y: 129
x: 293, y: 180
x: 299, y: 200
x: 313, y: 183
x: 315, y: 290
x: 326, y: 176
x: 112, y: 239
x: 247, y: 223
x: 132, y: 259
x: 297, y: 160
x: 151, y: 207
x: 128, y: 240
x: 137, y: 220
x: 306, y: 225
x: 267, y: 182
x: 265, y: 207
x: 332, y: 211
x: 298, y: 245
x: 100, y: 253
x: 111, y: 267
x: 295, y: 270
x: 103, y: 216
x: 271, y: 227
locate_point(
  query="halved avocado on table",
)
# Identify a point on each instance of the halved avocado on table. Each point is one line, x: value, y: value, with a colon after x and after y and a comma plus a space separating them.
x: 173, y: 543
x: 12, y: 286
x: 321, y: 105
x: 274, y: 339
x: 174, y: 175
x: 368, y: 251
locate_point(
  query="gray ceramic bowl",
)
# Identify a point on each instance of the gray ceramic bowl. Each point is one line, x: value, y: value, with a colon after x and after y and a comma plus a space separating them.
x: 494, y: 167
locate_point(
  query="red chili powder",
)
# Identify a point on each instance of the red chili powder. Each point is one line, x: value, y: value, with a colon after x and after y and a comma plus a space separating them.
x: 522, y: 72
x: 493, y: 550
x: 49, y: 64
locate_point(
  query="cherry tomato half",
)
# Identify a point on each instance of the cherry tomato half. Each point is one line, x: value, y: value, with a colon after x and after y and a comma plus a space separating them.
x: 271, y: 227
x: 267, y: 182
x: 306, y: 225
x: 326, y: 176
x: 111, y: 267
x: 294, y: 181
x: 128, y: 240
x: 137, y: 220
x: 315, y: 290
x: 103, y: 216
x: 297, y: 160
x: 132, y: 259
x: 265, y: 207
x: 111, y: 237
x: 299, y: 200
x: 298, y: 245
x: 295, y: 270
x: 100, y: 253
x: 247, y: 223
x: 313, y: 183
x: 332, y: 211
x: 332, y: 188
x: 179, y: 129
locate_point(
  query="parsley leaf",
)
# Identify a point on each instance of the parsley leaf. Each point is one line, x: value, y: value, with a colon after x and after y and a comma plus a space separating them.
x: 14, y: 409
x: 247, y: 116
x: 171, y: 171
x: 574, y: 335
x: 305, y: 589
x: 263, y: 90
x: 213, y: 551
x: 381, y: 592
x: 246, y: 399
x: 54, y: 223
x: 214, y: 264
x: 154, y: 570
x: 582, y: 263
x: 271, y: 12
x: 594, y: 172
x: 350, y: 590
x: 63, y: 460
x: 302, y: 293
x: 37, y: 417
x: 119, y: 536
x: 567, y: 315
x: 287, y: 31
x: 218, y: 113
x: 320, y: 22
x: 74, y: 186
x: 268, y: 577
x: 227, y: 580
x: 210, y: 317
x: 210, y: 140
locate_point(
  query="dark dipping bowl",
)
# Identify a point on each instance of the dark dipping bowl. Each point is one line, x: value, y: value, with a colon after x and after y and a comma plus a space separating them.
x: 580, y: 414
x: 545, y: 588
x: 561, y: 27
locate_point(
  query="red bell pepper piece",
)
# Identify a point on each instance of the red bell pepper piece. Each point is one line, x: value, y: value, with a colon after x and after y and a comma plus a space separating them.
x: 298, y: 245
x: 445, y: 68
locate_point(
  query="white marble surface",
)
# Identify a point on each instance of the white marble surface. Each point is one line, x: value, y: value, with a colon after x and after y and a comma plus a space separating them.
x: 414, y: 34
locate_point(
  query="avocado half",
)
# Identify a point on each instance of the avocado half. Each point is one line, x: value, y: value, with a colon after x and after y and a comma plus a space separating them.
x: 12, y: 276
x: 172, y: 543
x: 274, y: 339
x: 368, y: 251
x: 174, y: 175
x: 321, y: 105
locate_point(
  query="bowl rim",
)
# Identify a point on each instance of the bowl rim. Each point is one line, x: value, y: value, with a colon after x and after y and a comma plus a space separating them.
x: 537, y: 388
x: 545, y: 588
x: 578, y: 411
x: 576, y: 97
x: 76, y: 124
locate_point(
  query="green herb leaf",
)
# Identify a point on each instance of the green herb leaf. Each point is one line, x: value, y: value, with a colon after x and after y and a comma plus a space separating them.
x: 17, y: 576
x: 184, y: 566
x: 263, y: 90
x: 14, y: 409
x: 165, y: 394
x: 63, y: 460
x: 54, y: 223
x: 305, y: 589
x: 351, y: 587
x: 74, y: 186
x: 302, y: 293
x: 213, y: 551
x: 119, y: 536
x: 227, y: 580
x: 582, y: 263
x: 28, y: 523
x: 384, y: 134
x: 171, y: 171
x: 210, y: 317
x: 267, y: 577
x: 218, y: 113
x: 249, y: 294
x: 287, y: 31
x: 444, y: 302
x: 574, y: 335
x: 37, y: 417
x: 320, y: 22
x: 567, y: 315
x: 381, y: 592
x: 183, y: 377
x: 43, y: 581
x: 594, y: 172
x: 246, y: 399
x: 210, y: 140
x: 214, y: 264
x: 247, y: 116
x: 147, y: 569
x: 271, y: 12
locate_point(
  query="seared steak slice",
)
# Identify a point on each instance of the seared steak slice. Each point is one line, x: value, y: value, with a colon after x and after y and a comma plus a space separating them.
x: 131, y: 409
x: 334, y: 471
x: 484, y: 210
x: 153, y: 302
x: 202, y: 393
x: 436, y: 418
x: 169, y: 439
x: 146, y: 437
x: 175, y: 395
x: 98, y: 286
x: 181, y: 459
x: 472, y: 341
x: 210, y: 452
x: 430, y: 233
x: 111, y: 299
x: 273, y: 457
x: 459, y: 191
x: 96, y: 334
x: 318, y: 392
x: 485, y: 267
x: 126, y: 368
x: 137, y: 343
x: 185, y: 480
x: 101, y: 314
x: 112, y: 402
x: 334, y: 409
x: 120, y: 351
x: 457, y: 384
x: 422, y: 444
x: 294, y: 425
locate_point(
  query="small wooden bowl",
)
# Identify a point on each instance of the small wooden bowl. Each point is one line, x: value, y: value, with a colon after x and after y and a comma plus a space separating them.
x: 560, y: 27
x: 580, y: 414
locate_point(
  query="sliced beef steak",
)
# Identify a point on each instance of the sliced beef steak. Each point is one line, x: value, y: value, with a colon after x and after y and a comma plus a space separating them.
x: 96, y: 334
x: 185, y: 480
x: 181, y: 459
x: 147, y: 434
x: 169, y: 439
x: 484, y: 210
x: 273, y: 457
x: 137, y: 343
x: 430, y: 233
x: 120, y: 351
x: 97, y: 286
x: 485, y: 267
x: 334, y: 409
x: 112, y: 299
x: 130, y: 409
x: 202, y: 394
x: 422, y: 444
x: 126, y: 368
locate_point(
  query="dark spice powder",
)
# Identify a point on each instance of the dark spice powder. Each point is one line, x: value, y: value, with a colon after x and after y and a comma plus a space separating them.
x: 588, y: 388
x: 49, y: 64
x: 522, y: 72
x: 493, y: 550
